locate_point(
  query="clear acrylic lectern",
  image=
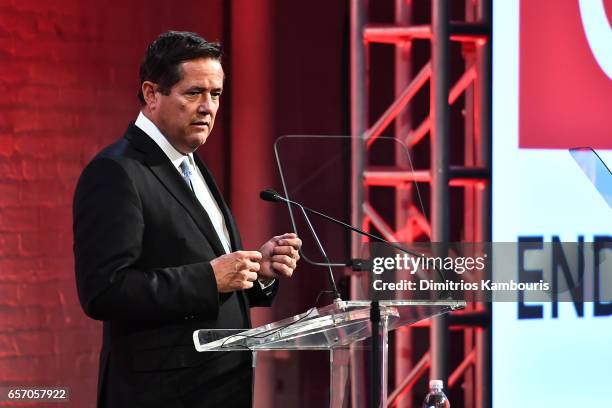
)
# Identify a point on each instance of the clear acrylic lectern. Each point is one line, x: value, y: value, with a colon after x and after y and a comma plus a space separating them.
x: 339, y: 328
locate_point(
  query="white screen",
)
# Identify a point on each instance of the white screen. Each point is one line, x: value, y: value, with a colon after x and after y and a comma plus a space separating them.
x: 543, y: 362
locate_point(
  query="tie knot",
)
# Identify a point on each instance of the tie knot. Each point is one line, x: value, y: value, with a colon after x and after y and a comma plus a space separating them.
x: 186, y: 173
x: 185, y: 168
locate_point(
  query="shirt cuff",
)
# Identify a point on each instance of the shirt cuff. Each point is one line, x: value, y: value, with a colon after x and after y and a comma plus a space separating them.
x: 264, y: 284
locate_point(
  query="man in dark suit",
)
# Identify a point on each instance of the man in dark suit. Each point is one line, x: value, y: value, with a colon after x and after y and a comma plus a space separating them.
x: 157, y: 252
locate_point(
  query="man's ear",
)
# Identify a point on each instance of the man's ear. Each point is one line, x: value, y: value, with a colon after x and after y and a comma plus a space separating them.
x: 150, y: 94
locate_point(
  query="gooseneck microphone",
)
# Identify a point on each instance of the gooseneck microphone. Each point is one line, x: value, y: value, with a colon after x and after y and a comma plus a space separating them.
x: 273, y: 196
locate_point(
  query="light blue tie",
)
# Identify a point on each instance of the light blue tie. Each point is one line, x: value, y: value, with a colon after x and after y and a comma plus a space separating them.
x: 186, y: 173
x: 207, y: 205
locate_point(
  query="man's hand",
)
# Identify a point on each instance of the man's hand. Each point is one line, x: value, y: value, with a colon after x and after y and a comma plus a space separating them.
x: 280, y: 256
x: 236, y: 271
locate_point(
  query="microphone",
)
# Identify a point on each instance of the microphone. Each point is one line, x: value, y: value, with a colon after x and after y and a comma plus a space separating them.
x: 273, y: 196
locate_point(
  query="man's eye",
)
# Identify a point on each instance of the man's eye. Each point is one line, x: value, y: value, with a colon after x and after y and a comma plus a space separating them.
x: 216, y: 95
x: 193, y: 93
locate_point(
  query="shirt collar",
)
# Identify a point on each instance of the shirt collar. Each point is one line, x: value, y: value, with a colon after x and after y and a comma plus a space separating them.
x: 154, y: 133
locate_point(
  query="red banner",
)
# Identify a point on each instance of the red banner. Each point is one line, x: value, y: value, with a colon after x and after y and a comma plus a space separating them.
x: 565, y: 94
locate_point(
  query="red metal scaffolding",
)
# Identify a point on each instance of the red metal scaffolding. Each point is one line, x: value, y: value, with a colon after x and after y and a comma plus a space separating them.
x: 474, y: 85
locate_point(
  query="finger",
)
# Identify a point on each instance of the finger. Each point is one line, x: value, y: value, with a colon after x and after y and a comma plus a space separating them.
x: 283, y: 250
x: 252, y: 255
x: 282, y: 269
x: 295, y: 254
x: 292, y: 242
x: 251, y: 266
x: 242, y: 264
x: 248, y: 275
x: 245, y: 285
x: 287, y: 235
x: 284, y: 259
x: 252, y: 276
x: 289, y: 251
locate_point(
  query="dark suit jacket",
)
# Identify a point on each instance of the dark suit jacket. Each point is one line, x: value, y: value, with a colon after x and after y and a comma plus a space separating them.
x: 143, y: 245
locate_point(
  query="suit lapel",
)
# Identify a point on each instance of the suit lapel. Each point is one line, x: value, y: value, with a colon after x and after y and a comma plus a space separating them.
x: 167, y: 174
x: 232, y: 229
x: 227, y: 215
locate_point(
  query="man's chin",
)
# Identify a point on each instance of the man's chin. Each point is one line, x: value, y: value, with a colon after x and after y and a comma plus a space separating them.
x: 197, y: 141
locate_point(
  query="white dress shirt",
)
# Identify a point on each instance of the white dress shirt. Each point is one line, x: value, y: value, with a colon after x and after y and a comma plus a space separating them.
x: 200, y: 188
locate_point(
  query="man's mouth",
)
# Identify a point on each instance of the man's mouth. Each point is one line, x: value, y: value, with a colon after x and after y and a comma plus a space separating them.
x: 200, y: 124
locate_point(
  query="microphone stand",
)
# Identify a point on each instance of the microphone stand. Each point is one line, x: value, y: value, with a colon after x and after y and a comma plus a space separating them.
x: 375, y: 390
x: 330, y: 276
x: 271, y: 195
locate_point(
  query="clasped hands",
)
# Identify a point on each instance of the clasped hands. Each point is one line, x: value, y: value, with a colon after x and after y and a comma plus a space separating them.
x: 276, y: 258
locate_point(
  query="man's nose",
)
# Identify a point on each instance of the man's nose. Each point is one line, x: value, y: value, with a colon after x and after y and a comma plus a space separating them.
x: 206, y: 105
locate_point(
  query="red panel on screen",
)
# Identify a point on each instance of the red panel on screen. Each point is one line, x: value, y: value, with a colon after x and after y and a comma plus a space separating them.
x: 565, y: 98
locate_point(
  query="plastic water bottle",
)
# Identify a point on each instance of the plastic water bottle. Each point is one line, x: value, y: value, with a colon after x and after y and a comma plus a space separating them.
x: 436, y: 398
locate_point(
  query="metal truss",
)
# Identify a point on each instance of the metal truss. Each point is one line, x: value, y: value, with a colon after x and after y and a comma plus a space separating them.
x: 474, y: 85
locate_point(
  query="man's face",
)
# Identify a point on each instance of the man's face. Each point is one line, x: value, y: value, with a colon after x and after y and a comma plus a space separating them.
x: 187, y: 114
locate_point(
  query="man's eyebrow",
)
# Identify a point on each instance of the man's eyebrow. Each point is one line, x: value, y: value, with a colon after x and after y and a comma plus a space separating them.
x: 196, y: 88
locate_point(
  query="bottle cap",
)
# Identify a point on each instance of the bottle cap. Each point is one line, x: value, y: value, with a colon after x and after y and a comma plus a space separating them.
x: 436, y: 384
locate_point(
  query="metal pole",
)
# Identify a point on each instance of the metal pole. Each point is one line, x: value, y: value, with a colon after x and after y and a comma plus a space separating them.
x: 375, y: 384
x: 471, y: 200
x: 440, y: 112
x: 483, y: 337
x: 403, y: 193
x: 359, y: 115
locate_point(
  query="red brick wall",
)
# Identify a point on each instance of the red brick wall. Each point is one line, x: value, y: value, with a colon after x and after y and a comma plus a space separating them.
x: 68, y: 83
x: 68, y: 80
